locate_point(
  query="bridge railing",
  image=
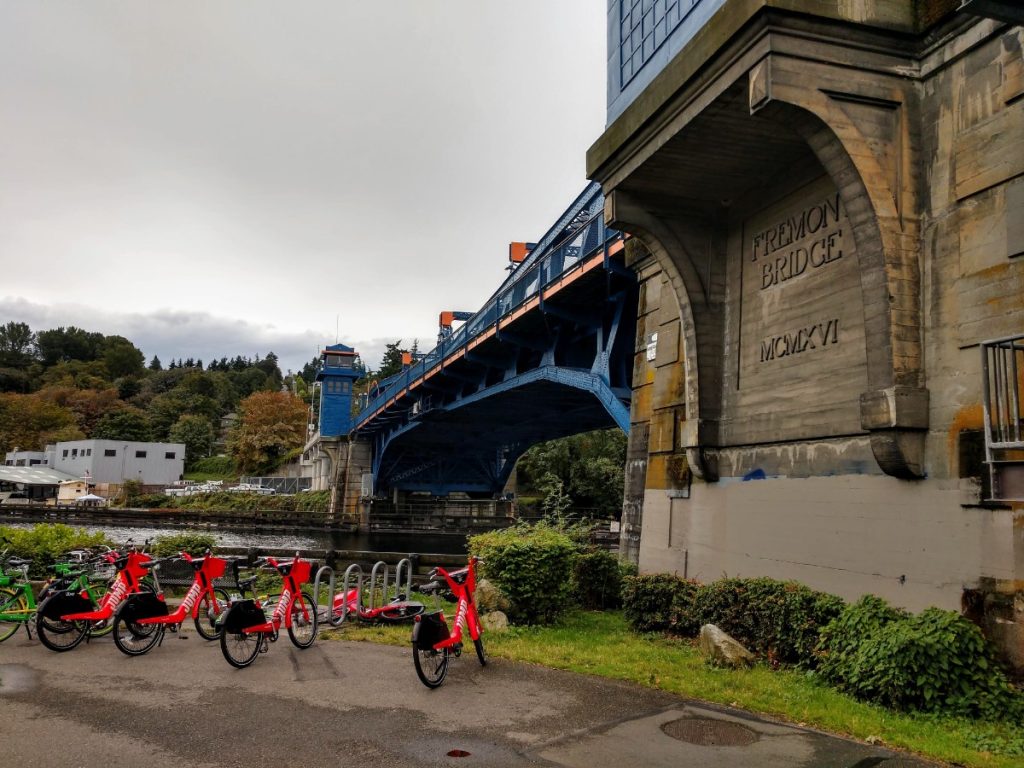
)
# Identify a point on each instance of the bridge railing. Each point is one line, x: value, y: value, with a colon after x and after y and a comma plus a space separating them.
x: 578, y: 235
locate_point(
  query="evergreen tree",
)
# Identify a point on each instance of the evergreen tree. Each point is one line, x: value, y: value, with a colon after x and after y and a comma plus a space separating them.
x: 155, y: 364
x: 392, y: 362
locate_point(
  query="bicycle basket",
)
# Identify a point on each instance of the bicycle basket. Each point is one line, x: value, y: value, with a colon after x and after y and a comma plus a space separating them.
x: 430, y: 630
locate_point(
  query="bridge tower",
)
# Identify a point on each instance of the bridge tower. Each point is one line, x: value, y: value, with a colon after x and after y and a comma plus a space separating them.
x: 341, y: 473
x: 336, y: 377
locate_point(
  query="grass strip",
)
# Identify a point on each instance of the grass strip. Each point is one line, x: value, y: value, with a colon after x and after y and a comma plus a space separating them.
x: 600, y: 644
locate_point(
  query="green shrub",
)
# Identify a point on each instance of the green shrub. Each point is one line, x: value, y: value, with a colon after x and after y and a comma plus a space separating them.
x: 841, y: 638
x: 312, y: 501
x: 532, y: 566
x: 597, y: 580
x: 195, y: 544
x: 44, y: 544
x: 935, y: 661
x: 153, y: 501
x: 648, y: 600
x: 778, y: 619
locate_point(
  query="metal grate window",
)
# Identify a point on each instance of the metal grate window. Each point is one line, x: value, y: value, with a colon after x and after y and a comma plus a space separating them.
x: 643, y: 26
x: 1002, y: 370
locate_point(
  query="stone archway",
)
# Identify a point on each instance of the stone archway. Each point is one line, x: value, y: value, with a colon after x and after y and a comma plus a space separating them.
x: 858, y: 140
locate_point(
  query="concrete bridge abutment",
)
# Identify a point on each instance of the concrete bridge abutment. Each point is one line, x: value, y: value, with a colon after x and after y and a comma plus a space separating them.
x: 823, y: 216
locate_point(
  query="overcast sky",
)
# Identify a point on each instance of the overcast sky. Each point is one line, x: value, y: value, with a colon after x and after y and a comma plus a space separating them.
x: 227, y: 178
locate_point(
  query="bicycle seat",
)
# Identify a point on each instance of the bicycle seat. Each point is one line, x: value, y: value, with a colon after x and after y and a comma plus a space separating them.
x: 197, y: 563
x: 459, y: 576
x: 17, y: 562
x: 247, y: 583
x: 284, y: 568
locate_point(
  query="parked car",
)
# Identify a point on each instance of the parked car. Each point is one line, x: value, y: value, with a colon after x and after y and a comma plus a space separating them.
x: 251, y: 488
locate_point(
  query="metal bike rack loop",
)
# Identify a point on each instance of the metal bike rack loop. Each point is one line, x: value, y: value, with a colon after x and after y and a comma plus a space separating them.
x: 329, y: 615
x: 378, y: 567
x: 354, y: 576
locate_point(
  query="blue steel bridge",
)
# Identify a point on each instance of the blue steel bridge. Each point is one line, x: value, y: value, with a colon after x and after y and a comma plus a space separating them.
x: 550, y: 354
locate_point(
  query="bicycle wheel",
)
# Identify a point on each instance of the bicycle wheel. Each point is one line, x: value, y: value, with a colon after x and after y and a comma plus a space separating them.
x: 135, y: 639
x: 303, y: 628
x: 104, y: 627
x: 239, y: 648
x: 431, y: 666
x: 210, y: 612
x: 59, y: 635
x: 393, y: 614
x: 11, y: 602
x: 481, y: 654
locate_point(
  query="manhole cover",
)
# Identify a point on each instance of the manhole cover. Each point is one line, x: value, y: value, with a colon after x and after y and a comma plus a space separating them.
x: 709, y: 733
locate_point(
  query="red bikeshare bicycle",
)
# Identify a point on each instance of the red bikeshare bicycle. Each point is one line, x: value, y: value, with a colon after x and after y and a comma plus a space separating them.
x: 63, y: 619
x: 432, y: 643
x: 142, y: 619
x: 246, y: 631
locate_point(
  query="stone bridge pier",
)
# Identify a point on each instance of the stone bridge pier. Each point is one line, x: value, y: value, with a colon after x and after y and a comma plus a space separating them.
x: 826, y: 215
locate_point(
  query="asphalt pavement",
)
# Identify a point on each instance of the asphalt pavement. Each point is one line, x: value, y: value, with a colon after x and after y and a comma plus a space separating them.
x: 345, y: 703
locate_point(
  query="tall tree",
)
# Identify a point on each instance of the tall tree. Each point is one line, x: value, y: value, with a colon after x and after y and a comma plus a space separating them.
x: 392, y: 361
x: 126, y: 423
x: 122, y: 357
x: 155, y: 364
x: 71, y: 343
x: 311, y: 369
x: 269, y: 366
x: 196, y: 432
x: 270, y: 425
x: 589, y: 467
x: 17, y: 343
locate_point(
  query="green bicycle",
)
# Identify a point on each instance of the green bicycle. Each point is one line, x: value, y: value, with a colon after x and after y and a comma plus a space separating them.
x: 18, y: 603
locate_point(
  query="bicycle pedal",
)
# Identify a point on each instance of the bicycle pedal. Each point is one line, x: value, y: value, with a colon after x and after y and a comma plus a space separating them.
x: 457, y: 648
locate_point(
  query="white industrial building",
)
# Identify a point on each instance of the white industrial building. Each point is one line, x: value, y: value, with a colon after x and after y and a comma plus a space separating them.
x: 108, y: 461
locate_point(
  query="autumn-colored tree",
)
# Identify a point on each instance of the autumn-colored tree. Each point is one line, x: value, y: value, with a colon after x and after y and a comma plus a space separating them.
x: 88, y: 405
x: 270, y: 424
x: 29, y: 422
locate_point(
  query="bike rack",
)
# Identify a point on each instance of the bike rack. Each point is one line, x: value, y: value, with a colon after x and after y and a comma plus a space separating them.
x: 354, y: 574
x: 329, y: 615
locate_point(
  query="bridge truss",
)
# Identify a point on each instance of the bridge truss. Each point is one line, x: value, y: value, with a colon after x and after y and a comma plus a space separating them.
x: 549, y: 355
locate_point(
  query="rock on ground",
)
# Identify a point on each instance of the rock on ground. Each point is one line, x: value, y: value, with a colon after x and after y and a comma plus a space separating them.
x: 720, y: 648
